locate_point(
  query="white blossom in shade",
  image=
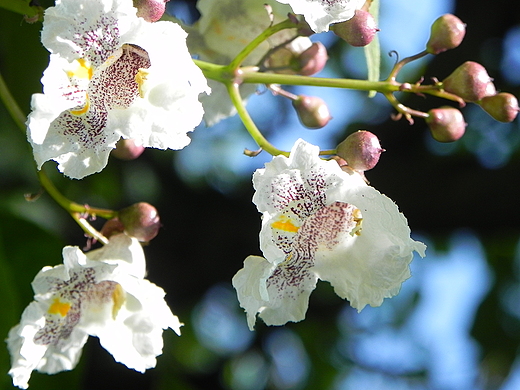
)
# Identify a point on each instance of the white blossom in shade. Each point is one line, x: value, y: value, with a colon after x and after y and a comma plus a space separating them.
x: 102, y: 293
x: 111, y: 75
x: 320, y: 222
x: 223, y: 30
x: 319, y: 14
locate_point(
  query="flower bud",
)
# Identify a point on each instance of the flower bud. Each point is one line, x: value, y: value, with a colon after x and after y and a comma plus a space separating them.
x: 313, y: 59
x: 312, y: 111
x: 470, y: 81
x: 150, y: 10
x: 140, y: 220
x: 446, y: 124
x: 360, y: 30
x: 503, y: 106
x: 126, y: 149
x: 361, y: 150
x: 447, y: 32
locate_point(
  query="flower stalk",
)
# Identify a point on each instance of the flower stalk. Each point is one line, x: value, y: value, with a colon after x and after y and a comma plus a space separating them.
x: 12, y: 107
x: 76, y: 210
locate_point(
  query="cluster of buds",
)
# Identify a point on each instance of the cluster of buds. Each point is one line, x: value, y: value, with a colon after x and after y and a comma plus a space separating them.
x: 139, y: 220
x: 300, y: 56
x: 469, y: 83
x: 472, y: 84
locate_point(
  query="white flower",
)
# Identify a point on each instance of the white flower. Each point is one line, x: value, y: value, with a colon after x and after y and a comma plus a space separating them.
x: 111, y: 75
x: 319, y: 14
x: 223, y: 30
x: 320, y: 222
x: 103, y: 294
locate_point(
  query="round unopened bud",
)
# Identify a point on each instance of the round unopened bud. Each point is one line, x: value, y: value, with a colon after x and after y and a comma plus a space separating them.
x: 446, y: 124
x: 360, y: 30
x: 150, y: 10
x: 470, y: 81
x: 503, y: 106
x: 312, y: 111
x: 285, y: 59
x: 126, y: 149
x: 361, y: 150
x: 447, y: 32
x: 140, y: 220
x: 313, y: 59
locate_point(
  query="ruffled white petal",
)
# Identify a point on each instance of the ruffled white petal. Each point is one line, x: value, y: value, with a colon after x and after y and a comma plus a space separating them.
x: 134, y: 336
x: 265, y: 289
x: 371, y: 266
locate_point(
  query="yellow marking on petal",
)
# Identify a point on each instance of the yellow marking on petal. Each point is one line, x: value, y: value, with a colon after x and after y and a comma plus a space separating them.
x: 84, y: 109
x: 357, y: 217
x: 119, y: 298
x: 83, y: 71
x: 140, y: 78
x: 285, y: 224
x: 217, y: 27
x: 58, y: 307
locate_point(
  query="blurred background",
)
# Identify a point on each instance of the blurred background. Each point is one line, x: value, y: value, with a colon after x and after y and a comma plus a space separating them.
x: 455, y: 324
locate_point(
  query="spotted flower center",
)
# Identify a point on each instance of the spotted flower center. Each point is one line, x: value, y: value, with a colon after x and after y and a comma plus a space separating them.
x: 321, y: 230
x: 115, y: 84
x: 70, y: 297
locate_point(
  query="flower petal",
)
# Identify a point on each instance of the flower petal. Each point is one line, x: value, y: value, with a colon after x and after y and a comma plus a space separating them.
x: 277, y: 293
x: 319, y: 14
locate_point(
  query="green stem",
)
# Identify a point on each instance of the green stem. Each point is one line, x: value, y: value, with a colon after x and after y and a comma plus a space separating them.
x: 406, y: 111
x: 11, y: 105
x: 237, y: 61
x: 76, y: 210
x: 273, y: 78
x: 249, y: 124
x: 215, y: 72
x: 69, y: 205
x: 403, y: 62
x: 251, y: 75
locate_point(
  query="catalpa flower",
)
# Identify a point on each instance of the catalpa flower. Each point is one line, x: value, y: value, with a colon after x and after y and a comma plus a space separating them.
x: 319, y: 14
x: 102, y: 294
x: 111, y: 75
x: 320, y: 222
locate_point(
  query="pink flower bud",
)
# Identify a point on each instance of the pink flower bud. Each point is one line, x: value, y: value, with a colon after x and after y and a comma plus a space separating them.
x: 360, y: 30
x: 503, y: 106
x: 150, y: 10
x: 361, y: 150
x: 126, y: 149
x: 313, y: 59
x: 447, y: 32
x: 141, y: 221
x: 446, y: 124
x: 312, y: 111
x: 470, y: 81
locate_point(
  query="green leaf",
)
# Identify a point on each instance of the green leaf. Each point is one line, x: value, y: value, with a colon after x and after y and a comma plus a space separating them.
x: 20, y: 7
x: 373, y: 51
